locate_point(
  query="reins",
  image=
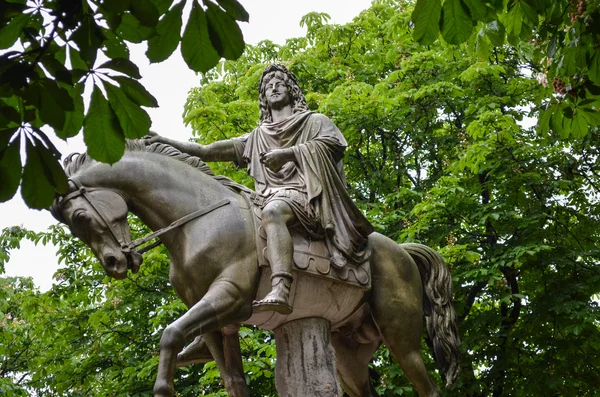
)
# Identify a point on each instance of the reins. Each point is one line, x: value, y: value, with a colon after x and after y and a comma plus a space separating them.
x: 127, y: 247
x: 175, y: 224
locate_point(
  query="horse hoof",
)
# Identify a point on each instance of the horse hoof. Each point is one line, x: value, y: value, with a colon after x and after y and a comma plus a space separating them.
x: 163, y: 389
x: 195, y: 353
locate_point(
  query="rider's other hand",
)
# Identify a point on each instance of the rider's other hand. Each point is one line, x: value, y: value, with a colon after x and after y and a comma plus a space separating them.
x: 275, y: 159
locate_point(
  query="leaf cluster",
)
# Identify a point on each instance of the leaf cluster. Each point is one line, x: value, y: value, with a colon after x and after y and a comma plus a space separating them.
x: 53, y: 53
x: 556, y: 40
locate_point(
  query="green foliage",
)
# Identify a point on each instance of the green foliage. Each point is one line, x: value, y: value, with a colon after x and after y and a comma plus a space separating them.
x: 15, y: 333
x: 53, y: 49
x: 426, y: 16
x: 440, y: 152
x: 111, y: 143
x: 556, y: 38
x: 457, y: 26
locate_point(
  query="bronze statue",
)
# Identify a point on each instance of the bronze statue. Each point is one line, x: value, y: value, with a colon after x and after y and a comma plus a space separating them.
x: 195, y: 211
x: 295, y: 158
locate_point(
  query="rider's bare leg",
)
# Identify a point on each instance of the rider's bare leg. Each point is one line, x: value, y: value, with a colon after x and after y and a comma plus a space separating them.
x: 277, y: 216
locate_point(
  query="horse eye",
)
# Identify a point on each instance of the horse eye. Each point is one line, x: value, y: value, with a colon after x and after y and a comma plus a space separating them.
x: 81, y: 216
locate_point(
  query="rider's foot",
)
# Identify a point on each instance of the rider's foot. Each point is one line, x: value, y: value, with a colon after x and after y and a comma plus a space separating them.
x: 194, y: 353
x: 278, y: 299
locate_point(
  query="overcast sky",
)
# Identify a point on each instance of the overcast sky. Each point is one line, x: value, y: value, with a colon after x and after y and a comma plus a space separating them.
x: 169, y: 81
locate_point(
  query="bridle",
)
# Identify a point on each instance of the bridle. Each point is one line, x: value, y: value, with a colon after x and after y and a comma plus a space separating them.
x: 127, y: 247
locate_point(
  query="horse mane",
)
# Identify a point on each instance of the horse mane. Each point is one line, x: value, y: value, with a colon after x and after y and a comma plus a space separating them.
x: 76, y: 161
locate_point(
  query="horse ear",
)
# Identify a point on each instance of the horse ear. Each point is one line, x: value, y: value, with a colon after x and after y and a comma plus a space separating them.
x: 56, y: 207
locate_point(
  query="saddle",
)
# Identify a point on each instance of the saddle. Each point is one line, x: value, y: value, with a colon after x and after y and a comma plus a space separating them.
x: 310, y: 256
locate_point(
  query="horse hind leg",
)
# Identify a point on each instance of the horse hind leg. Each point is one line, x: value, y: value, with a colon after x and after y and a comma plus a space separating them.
x: 396, y: 303
x: 353, y: 360
x: 408, y: 354
x: 224, y: 346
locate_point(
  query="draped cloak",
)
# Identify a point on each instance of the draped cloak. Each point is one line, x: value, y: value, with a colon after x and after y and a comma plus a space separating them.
x: 318, y: 147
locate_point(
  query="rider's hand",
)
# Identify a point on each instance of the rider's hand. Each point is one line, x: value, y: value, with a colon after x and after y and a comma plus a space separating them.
x: 275, y: 159
x: 153, y: 137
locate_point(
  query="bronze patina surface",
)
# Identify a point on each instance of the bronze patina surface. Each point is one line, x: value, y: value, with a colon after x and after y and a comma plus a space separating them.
x: 219, y: 281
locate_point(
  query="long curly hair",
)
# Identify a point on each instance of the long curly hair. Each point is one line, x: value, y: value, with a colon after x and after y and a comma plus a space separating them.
x: 298, y: 102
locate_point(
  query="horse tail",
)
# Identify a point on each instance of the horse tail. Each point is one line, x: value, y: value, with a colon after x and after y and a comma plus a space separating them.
x: 440, y: 317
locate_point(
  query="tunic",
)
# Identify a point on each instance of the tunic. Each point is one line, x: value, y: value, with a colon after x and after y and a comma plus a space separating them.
x: 317, y: 175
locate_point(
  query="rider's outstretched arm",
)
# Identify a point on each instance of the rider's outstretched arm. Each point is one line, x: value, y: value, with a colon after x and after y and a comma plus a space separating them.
x: 218, y: 151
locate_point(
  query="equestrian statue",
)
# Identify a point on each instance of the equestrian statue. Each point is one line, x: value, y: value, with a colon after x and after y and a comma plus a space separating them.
x: 295, y: 255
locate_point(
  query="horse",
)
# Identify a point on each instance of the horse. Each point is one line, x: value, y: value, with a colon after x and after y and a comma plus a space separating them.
x: 214, y: 271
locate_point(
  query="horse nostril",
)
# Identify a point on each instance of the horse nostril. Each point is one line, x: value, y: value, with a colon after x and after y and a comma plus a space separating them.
x: 111, y: 263
x: 110, y: 260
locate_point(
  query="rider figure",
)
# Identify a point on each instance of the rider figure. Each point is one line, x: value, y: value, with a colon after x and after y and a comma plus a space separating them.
x: 294, y: 157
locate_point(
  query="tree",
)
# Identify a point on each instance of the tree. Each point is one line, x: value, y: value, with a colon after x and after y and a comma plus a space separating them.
x: 556, y: 38
x: 441, y: 151
x: 56, y: 51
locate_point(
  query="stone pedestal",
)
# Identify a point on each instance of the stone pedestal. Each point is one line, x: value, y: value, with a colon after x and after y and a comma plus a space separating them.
x: 306, y: 363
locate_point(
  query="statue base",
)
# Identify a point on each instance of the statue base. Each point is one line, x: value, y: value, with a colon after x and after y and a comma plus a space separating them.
x: 306, y: 364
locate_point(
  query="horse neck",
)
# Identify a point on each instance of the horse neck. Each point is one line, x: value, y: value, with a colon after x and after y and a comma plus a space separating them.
x: 161, y: 189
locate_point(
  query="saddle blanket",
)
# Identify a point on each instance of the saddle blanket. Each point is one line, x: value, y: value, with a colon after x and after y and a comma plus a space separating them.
x: 312, y: 256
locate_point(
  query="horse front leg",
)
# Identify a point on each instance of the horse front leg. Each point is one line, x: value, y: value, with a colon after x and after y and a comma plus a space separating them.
x: 222, y: 305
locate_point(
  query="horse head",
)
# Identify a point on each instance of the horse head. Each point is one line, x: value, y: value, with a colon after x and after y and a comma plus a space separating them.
x: 98, y: 217
x: 101, y: 196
